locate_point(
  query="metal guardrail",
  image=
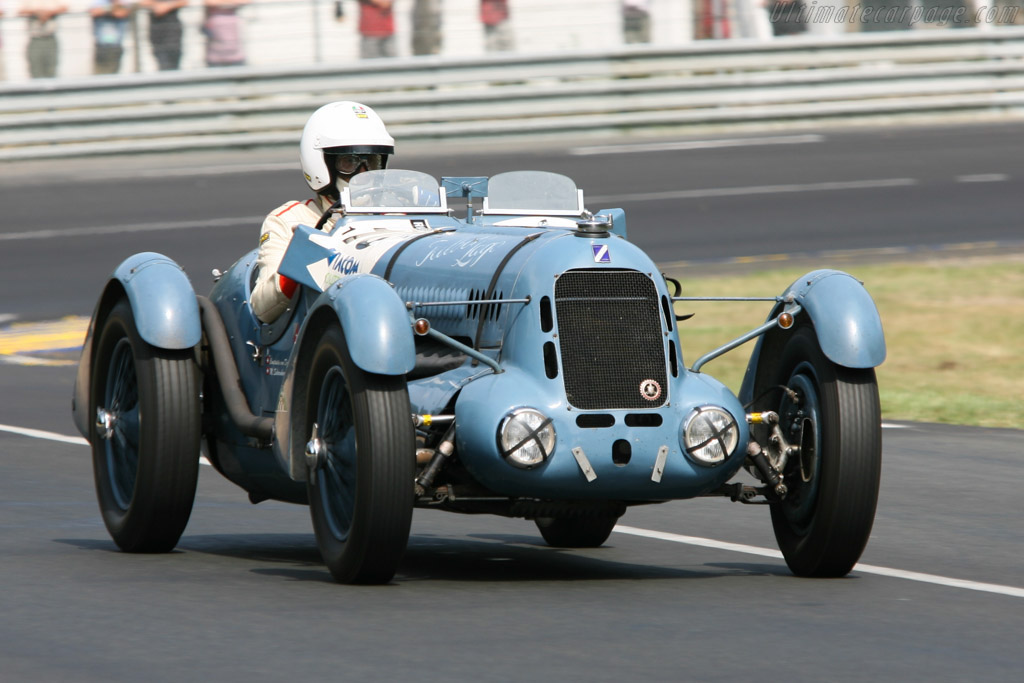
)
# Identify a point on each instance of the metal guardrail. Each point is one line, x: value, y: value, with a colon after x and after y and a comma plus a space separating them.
x: 725, y: 83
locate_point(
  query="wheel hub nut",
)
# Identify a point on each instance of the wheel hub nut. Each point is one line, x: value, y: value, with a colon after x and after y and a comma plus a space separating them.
x: 105, y: 421
x: 314, y: 450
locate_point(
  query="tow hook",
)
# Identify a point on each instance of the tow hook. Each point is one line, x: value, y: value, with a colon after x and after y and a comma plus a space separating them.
x: 766, y: 471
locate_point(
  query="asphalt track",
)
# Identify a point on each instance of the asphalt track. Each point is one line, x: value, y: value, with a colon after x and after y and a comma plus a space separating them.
x: 690, y: 590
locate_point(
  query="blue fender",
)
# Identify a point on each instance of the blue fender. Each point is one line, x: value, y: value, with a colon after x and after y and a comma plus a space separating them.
x: 376, y: 324
x: 845, y: 318
x: 162, y: 300
x: 165, y: 309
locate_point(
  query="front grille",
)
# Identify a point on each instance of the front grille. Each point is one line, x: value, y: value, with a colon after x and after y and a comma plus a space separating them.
x: 611, y: 338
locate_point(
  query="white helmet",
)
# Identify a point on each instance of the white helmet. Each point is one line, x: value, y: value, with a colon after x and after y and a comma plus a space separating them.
x: 340, y: 128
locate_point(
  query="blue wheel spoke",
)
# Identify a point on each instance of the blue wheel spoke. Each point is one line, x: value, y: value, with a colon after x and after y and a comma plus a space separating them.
x: 339, y: 493
x: 334, y: 415
x: 328, y: 419
x: 334, y: 479
x: 128, y: 426
x: 344, y: 449
x: 122, y: 400
x: 345, y: 505
x: 330, y: 408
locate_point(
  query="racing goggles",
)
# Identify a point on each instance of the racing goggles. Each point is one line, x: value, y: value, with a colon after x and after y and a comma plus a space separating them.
x: 347, y: 164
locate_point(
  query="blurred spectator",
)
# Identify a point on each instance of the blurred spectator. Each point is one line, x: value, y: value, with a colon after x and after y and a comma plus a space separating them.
x: 712, y: 19
x: 426, y: 27
x: 497, y: 31
x: 376, y: 28
x: 636, y: 21
x: 42, y: 35
x: 787, y: 17
x: 3, y: 74
x: 223, y: 29
x: 165, y: 31
x: 109, y: 19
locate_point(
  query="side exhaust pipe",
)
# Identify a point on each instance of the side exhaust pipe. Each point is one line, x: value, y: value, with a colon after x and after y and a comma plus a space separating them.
x: 230, y: 384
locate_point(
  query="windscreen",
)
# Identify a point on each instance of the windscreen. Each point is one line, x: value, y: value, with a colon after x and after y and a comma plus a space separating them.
x: 393, y: 189
x: 532, y: 191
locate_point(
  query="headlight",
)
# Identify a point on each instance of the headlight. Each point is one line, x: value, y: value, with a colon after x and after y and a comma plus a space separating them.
x: 526, y: 437
x: 710, y: 435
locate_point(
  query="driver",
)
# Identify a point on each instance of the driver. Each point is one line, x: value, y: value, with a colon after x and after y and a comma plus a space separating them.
x: 340, y: 140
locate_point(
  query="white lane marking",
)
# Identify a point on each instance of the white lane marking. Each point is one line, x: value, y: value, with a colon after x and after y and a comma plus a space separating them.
x: 19, y: 359
x: 134, y: 227
x: 1011, y: 591
x: 755, y: 190
x: 7, y: 317
x: 53, y: 436
x: 983, y: 178
x: 889, y: 425
x: 40, y: 434
x: 696, y: 540
x: 696, y: 144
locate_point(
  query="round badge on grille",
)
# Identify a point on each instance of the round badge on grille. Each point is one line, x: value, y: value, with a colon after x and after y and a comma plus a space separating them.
x: 650, y: 390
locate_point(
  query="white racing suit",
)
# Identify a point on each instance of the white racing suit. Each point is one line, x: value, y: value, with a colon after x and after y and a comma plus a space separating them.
x: 267, y: 299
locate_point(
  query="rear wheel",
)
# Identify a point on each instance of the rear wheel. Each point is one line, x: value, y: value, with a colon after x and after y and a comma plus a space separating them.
x: 825, y: 520
x: 361, y: 456
x: 145, y: 441
x: 571, y: 532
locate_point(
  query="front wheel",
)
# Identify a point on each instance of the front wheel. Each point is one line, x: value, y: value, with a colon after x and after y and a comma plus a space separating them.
x: 145, y: 439
x: 825, y: 520
x: 361, y: 456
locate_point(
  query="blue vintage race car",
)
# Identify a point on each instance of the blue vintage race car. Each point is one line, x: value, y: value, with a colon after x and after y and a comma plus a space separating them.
x: 522, y: 359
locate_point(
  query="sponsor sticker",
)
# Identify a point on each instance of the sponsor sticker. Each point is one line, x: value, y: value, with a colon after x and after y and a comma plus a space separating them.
x: 359, y: 111
x: 343, y: 264
x: 275, y: 367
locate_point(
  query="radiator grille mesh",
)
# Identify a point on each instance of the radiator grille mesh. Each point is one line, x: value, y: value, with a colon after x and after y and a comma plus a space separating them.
x: 611, y: 339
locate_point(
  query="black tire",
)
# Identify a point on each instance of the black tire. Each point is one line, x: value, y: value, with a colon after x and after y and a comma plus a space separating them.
x: 576, y: 532
x: 146, y: 471
x: 361, y: 490
x: 825, y: 520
